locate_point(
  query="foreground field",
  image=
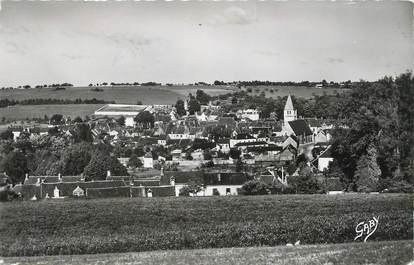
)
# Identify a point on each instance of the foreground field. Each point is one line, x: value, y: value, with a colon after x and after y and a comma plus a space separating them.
x: 143, y: 224
x: 380, y: 253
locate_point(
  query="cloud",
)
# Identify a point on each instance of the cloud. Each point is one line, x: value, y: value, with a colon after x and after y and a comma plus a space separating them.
x: 15, y: 48
x: 267, y: 53
x: 233, y: 15
x: 75, y: 56
x: 334, y: 60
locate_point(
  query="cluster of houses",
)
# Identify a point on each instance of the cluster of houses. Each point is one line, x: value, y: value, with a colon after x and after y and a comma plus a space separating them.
x: 160, y: 184
x: 262, y: 147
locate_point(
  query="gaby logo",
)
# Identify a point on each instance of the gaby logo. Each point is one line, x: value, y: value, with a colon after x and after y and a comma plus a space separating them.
x: 366, y: 228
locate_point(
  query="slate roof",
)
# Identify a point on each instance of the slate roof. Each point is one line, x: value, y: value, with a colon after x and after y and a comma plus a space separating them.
x: 300, y: 127
x: 326, y: 153
x: 289, y: 104
x: 226, y: 178
x: 71, y: 178
x: 181, y: 177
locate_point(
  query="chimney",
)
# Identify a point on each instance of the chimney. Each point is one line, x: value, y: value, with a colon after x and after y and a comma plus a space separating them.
x: 26, y: 177
x: 172, y: 181
x: 108, y: 173
x: 162, y: 171
x: 219, y: 177
x: 60, y: 177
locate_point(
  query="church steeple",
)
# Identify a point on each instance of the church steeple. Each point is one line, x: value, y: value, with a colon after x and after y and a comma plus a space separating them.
x: 289, y: 113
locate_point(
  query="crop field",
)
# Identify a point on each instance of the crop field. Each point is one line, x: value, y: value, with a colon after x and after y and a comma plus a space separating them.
x: 21, y: 112
x: 298, y: 91
x: 379, y: 253
x: 120, y: 94
x: 51, y: 227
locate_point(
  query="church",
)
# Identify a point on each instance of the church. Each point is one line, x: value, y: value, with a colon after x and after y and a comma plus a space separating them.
x: 294, y: 126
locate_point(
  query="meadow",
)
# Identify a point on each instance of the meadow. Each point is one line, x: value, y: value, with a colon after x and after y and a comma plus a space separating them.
x: 379, y: 253
x: 22, y: 112
x: 298, y: 91
x: 120, y: 94
x: 55, y: 227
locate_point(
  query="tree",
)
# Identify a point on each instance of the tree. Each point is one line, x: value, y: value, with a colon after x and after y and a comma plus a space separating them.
x: 239, y: 165
x: 235, y: 153
x: 254, y: 187
x: 134, y: 161
x: 121, y: 121
x: 202, y: 97
x: 367, y: 171
x: 100, y: 163
x: 179, y: 106
x: 77, y: 119
x: 145, y: 119
x: 75, y: 158
x: 193, y: 105
x: 305, y: 182
x: 6, y: 135
x: 56, y: 119
x: 15, y: 166
x: 83, y: 133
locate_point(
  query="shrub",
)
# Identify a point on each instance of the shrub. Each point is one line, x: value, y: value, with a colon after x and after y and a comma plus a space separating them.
x: 254, y: 187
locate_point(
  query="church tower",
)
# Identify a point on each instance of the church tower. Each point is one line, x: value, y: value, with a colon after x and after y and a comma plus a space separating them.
x: 289, y: 113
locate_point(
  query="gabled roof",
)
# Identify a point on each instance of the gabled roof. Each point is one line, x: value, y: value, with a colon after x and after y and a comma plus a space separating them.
x: 300, y: 127
x: 71, y: 178
x: 326, y: 153
x: 289, y: 104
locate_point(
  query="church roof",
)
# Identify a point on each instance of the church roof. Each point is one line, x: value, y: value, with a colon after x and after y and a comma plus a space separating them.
x: 300, y: 127
x: 289, y: 104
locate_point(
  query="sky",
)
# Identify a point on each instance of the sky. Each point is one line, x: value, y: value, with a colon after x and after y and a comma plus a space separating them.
x: 184, y: 42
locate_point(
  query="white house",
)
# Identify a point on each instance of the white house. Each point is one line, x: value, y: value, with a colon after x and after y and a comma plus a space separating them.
x: 148, y: 161
x: 324, y: 159
x: 251, y: 114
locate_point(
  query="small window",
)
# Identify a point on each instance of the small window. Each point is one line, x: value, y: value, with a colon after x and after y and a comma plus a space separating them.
x: 228, y: 191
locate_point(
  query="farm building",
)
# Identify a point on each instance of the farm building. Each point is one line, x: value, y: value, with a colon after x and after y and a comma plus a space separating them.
x: 118, y: 110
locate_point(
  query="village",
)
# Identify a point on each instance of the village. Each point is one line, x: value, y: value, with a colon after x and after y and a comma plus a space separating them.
x: 204, y: 153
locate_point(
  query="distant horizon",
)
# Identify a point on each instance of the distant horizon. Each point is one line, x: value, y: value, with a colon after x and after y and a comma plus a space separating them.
x: 193, y: 83
x: 185, y: 42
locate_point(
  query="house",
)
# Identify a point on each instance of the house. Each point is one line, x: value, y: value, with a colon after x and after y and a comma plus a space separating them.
x: 301, y: 130
x: 223, y: 145
x: 241, y: 138
x: 212, y: 183
x: 148, y: 161
x: 78, y: 192
x: 324, y: 159
x: 251, y: 114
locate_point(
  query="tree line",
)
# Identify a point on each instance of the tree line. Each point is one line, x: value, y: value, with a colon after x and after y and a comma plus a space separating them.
x: 47, y: 101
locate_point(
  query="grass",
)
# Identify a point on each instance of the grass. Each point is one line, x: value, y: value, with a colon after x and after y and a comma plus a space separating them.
x: 380, y: 253
x: 121, y: 95
x: 127, y: 225
x: 21, y: 112
x: 298, y: 91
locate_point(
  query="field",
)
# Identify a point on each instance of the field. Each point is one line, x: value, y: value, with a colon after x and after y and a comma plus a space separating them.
x: 298, y: 91
x: 126, y: 95
x: 380, y: 253
x: 143, y: 224
x: 21, y: 112
x: 120, y: 94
